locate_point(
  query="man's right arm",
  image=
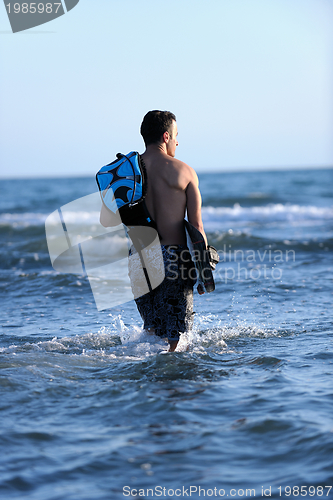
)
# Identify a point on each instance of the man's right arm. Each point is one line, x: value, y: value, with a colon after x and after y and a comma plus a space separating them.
x: 193, y: 203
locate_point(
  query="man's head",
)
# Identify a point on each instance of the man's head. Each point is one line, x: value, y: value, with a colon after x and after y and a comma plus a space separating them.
x: 160, y: 127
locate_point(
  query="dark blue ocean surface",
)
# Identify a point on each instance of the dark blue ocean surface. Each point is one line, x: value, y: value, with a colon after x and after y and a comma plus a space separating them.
x: 92, y: 408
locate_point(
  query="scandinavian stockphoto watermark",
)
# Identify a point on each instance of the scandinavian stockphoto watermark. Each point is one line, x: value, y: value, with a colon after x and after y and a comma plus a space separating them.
x: 252, y: 264
x: 25, y: 15
x: 236, y: 264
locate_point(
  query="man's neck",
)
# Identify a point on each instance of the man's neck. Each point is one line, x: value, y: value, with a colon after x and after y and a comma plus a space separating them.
x: 153, y: 149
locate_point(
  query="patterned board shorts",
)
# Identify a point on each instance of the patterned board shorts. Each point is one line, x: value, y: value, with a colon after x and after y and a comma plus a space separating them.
x: 169, y: 307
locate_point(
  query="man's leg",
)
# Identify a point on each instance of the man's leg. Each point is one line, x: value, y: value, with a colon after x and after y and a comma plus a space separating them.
x: 172, y: 345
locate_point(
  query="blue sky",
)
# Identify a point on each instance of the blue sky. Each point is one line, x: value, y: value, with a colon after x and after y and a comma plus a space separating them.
x: 250, y: 82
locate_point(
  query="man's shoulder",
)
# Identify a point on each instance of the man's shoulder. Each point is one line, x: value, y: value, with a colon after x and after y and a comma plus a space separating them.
x: 184, y: 168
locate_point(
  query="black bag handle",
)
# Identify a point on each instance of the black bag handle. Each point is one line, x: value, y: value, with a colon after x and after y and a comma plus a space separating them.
x: 130, y: 203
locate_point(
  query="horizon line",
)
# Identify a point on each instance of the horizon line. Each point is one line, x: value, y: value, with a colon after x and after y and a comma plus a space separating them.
x: 228, y: 170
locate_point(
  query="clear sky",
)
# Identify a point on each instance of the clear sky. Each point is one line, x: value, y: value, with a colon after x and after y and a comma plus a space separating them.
x: 250, y: 82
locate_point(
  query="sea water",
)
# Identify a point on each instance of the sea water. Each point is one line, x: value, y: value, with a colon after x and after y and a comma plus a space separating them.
x: 91, y: 406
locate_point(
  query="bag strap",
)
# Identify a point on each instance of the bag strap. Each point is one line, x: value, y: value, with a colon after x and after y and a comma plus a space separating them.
x: 134, y: 177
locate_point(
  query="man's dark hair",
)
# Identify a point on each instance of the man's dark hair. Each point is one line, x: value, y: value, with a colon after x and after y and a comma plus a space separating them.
x: 154, y: 124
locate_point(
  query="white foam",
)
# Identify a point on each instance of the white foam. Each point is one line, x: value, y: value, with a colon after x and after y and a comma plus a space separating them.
x: 81, y: 218
x: 118, y: 342
x: 268, y: 213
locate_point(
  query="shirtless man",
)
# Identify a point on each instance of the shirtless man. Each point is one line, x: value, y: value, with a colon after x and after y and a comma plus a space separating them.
x: 173, y: 189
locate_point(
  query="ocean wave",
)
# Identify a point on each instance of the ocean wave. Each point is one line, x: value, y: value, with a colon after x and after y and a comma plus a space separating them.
x: 29, y: 219
x: 250, y: 200
x: 265, y: 213
x: 233, y: 240
x: 31, y: 254
x: 273, y: 212
x: 261, y: 227
x: 22, y: 220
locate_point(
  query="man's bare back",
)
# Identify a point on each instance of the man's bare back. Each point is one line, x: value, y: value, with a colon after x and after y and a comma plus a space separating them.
x: 166, y: 196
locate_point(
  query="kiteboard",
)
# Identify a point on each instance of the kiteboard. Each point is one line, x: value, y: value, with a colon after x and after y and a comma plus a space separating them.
x: 204, y: 258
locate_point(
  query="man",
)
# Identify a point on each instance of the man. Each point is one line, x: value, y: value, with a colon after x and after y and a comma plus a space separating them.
x: 172, y: 190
